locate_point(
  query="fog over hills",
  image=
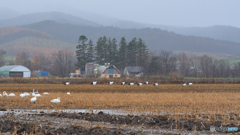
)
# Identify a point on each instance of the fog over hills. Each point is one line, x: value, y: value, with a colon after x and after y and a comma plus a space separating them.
x: 36, y: 17
x: 227, y: 33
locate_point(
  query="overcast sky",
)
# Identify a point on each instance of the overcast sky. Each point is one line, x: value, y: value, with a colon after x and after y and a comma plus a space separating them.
x: 164, y: 12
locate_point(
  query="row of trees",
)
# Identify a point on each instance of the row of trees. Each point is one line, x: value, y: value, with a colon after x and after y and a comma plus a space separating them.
x: 107, y: 50
x: 165, y: 63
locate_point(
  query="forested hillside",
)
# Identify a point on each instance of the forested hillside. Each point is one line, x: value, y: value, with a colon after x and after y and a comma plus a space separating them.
x: 156, y: 39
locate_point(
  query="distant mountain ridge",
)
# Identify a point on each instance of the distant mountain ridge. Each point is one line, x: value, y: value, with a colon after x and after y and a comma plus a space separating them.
x: 156, y: 39
x: 227, y: 33
x: 55, y: 16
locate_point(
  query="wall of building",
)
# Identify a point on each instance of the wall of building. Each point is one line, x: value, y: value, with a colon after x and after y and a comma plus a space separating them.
x: 108, y: 75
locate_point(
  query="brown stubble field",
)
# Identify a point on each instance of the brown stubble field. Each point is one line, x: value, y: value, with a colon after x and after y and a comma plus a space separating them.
x: 199, y: 98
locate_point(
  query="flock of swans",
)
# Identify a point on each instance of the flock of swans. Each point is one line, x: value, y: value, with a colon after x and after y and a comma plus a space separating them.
x: 34, y: 94
x: 139, y: 84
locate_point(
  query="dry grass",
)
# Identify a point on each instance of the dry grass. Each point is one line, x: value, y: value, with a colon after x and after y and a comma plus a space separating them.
x: 196, y: 99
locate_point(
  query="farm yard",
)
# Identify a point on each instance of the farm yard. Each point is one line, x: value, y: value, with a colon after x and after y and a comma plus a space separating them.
x: 120, y: 109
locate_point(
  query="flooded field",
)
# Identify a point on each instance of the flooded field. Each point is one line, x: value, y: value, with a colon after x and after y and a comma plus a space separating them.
x: 117, y: 109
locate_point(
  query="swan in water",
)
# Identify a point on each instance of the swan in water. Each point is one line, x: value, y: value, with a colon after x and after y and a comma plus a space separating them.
x: 33, y: 100
x: 11, y: 95
x: 5, y: 94
x: 68, y: 93
x: 56, y: 100
x: 45, y: 93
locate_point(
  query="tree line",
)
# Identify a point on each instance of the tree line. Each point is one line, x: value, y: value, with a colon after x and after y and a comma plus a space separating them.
x: 132, y: 53
x: 106, y: 50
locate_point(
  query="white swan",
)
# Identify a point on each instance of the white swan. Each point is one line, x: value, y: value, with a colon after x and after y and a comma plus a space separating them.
x: 131, y: 83
x: 33, y: 100
x: 94, y: 83
x: 184, y: 84
x: 22, y: 95
x: 26, y: 94
x: 45, y: 93
x: 68, y: 93
x: 123, y: 83
x: 0, y: 95
x: 155, y: 84
x: 11, y: 95
x: 67, y: 83
x: 35, y: 95
x: 139, y: 84
x: 146, y: 83
x: 5, y: 94
x: 190, y: 83
x: 56, y: 100
x: 110, y: 83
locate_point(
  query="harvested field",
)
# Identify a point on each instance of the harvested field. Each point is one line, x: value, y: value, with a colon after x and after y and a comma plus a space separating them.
x: 169, y: 107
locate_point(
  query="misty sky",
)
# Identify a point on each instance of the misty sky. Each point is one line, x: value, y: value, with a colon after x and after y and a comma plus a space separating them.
x: 163, y: 12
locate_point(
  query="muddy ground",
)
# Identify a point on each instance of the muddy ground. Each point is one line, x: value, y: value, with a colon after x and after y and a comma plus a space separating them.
x: 89, y: 123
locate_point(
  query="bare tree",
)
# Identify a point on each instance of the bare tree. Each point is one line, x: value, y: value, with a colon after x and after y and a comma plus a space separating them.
x: 23, y: 59
x: 184, y: 64
x: 2, y: 61
x: 205, y: 65
x: 213, y: 67
x: 168, y: 61
x: 63, y: 63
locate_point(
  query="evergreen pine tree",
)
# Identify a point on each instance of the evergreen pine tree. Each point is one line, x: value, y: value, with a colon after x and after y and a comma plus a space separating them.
x: 122, y: 53
x: 90, y: 51
x: 142, y: 53
x: 81, y: 52
x: 132, y: 52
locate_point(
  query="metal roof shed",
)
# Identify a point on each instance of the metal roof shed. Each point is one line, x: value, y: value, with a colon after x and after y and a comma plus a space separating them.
x: 15, y: 71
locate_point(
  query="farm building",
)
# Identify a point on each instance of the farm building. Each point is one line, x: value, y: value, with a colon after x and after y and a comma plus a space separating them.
x: 40, y: 74
x: 133, y: 71
x: 107, y: 71
x: 15, y: 71
x: 102, y: 71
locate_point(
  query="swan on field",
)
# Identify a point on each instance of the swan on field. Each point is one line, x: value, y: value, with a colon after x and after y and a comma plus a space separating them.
x: 155, y: 84
x: 184, y: 84
x: 23, y: 95
x: 33, y: 100
x: 68, y: 93
x: 26, y: 94
x: 0, y: 95
x: 110, y: 83
x: 5, y: 94
x: 45, y: 93
x: 139, y: 84
x: 190, y: 83
x: 122, y: 83
x: 35, y: 95
x: 56, y: 100
x: 67, y: 83
x: 131, y: 83
x: 94, y: 83
x: 11, y: 95
x: 146, y: 83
